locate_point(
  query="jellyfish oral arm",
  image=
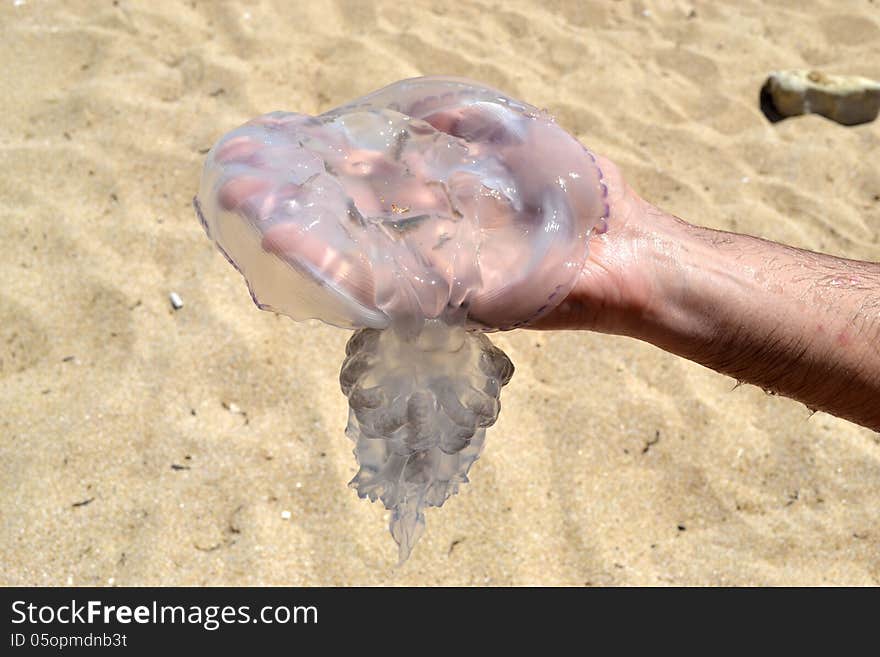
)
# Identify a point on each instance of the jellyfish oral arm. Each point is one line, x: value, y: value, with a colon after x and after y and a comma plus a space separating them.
x: 418, y: 413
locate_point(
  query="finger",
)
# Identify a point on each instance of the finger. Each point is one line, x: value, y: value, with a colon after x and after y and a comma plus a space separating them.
x: 240, y: 189
x: 483, y: 123
x: 348, y: 273
x: 238, y: 150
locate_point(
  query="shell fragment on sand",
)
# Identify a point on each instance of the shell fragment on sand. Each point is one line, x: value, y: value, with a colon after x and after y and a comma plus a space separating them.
x: 848, y: 100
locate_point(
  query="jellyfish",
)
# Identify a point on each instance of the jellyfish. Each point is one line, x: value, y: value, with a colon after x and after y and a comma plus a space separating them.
x: 422, y: 216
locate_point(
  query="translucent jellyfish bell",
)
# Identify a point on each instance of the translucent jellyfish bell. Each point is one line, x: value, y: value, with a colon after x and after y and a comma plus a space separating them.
x: 420, y: 214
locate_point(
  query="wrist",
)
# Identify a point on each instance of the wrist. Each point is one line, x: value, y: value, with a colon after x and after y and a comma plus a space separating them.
x: 690, y: 281
x: 663, y: 303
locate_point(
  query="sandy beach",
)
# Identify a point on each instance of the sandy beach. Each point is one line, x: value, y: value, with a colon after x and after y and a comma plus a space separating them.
x: 142, y: 445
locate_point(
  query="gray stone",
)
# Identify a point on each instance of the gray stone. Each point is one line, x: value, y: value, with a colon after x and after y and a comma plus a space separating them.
x: 849, y: 100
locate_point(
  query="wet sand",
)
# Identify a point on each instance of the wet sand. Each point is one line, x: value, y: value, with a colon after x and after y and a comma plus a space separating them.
x: 143, y: 445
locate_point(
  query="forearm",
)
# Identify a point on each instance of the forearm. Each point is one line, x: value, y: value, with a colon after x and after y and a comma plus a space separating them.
x: 797, y: 323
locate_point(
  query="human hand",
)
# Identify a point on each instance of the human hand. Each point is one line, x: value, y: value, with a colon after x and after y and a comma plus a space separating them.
x: 632, y: 272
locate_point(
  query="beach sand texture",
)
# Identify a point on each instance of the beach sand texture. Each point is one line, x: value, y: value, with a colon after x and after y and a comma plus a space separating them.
x: 144, y: 445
